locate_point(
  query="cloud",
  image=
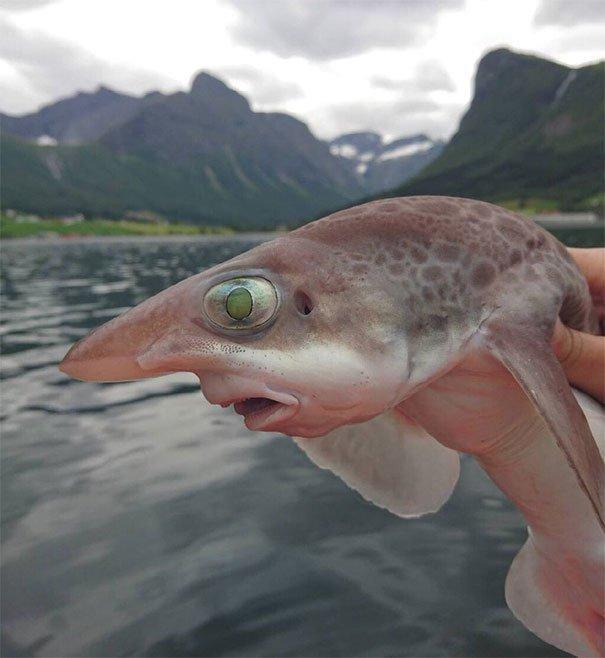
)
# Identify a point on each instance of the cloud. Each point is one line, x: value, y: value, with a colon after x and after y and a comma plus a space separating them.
x: 430, y: 76
x: 23, y: 5
x: 45, y: 61
x: 271, y: 92
x: 241, y: 73
x: 416, y: 105
x: 569, y: 12
x: 330, y: 29
x: 403, y: 117
x: 583, y: 39
x: 390, y: 84
x: 53, y: 69
x: 262, y: 88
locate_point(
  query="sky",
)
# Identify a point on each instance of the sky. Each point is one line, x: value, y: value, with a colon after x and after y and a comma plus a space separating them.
x: 394, y: 66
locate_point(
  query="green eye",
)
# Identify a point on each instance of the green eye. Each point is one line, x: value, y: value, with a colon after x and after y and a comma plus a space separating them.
x: 241, y: 303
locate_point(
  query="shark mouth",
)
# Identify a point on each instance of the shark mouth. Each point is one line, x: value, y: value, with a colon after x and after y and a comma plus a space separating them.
x: 254, y: 405
x: 263, y: 413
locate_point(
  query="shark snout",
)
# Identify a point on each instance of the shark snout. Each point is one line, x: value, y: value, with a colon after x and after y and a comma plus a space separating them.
x: 89, y: 361
x: 115, y: 351
x: 110, y: 353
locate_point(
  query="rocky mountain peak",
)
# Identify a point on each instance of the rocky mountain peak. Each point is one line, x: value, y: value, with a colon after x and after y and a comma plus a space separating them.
x: 104, y: 91
x: 497, y: 66
x: 211, y: 90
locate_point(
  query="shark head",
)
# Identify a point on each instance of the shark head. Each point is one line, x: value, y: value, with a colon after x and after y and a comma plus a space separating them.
x: 347, y: 317
x: 285, y: 332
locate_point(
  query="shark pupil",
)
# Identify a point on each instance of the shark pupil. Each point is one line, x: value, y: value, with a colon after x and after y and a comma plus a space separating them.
x: 239, y: 303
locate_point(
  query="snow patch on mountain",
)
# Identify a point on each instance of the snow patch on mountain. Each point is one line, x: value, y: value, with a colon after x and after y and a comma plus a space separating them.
x: 404, y: 151
x: 382, y: 164
x: 46, y: 140
x: 343, y: 150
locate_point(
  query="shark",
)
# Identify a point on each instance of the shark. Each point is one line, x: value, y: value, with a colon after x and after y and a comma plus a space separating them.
x: 388, y: 338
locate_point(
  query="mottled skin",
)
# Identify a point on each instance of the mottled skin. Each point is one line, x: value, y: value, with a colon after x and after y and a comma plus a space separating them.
x: 447, y: 251
x: 433, y: 314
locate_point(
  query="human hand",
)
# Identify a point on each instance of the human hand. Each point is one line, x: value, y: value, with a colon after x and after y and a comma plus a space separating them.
x: 583, y: 355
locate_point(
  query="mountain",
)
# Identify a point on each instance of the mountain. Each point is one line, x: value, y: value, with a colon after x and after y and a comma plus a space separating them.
x: 534, y: 129
x: 201, y: 155
x: 383, y: 165
x: 82, y: 118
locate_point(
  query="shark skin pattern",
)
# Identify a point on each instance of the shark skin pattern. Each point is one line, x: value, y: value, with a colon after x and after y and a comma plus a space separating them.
x: 387, y: 338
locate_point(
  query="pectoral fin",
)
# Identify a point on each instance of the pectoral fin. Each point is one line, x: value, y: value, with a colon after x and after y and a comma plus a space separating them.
x: 391, y: 461
x: 529, y: 358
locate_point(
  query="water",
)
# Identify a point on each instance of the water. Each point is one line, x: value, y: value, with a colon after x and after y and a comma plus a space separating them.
x: 139, y: 520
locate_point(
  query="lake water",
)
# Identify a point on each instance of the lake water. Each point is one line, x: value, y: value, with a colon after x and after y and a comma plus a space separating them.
x: 139, y: 520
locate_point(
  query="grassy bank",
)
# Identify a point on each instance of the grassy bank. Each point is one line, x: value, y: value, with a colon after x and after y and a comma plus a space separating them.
x: 578, y: 236
x: 48, y: 228
x: 537, y: 206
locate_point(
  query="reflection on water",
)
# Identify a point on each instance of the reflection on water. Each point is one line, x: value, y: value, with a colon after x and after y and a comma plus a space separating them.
x: 138, y: 520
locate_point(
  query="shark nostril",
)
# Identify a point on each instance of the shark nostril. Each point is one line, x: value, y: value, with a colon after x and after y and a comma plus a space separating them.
x: 303, y: 302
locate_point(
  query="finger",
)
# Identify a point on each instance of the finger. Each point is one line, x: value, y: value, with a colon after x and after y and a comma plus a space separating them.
x: 592, y: 265
x: 583, y: 359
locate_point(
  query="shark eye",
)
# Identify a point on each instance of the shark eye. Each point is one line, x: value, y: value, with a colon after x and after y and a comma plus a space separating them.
x: 241, y: 303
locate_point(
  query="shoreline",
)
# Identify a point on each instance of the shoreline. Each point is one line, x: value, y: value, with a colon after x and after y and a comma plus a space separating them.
x: 595, y: 231
x: 175, y: 237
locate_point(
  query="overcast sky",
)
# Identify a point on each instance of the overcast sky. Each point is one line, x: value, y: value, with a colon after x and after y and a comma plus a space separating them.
x: 394, y: 66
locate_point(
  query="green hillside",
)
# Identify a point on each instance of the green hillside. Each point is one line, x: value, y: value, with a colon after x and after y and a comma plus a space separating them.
x: 533, y: 134
x: 99, y: 182
x: 202, y: 156
x: 534, y: 130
